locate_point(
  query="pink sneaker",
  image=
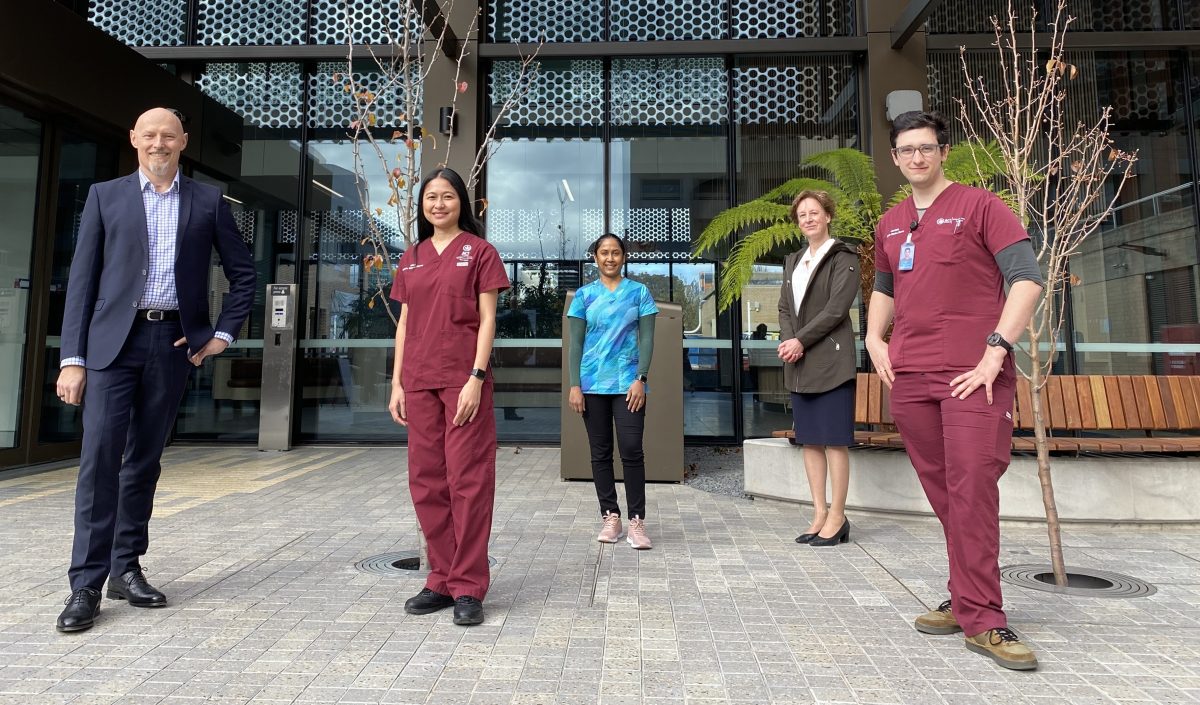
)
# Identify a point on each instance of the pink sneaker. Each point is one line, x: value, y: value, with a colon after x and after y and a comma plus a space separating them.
x: 611, y: 533
x: 637, y: 535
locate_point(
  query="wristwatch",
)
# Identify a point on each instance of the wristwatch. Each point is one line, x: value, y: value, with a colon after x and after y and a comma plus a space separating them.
x: 642, y: 378
x: 478, y: 373
x: 997, y: 340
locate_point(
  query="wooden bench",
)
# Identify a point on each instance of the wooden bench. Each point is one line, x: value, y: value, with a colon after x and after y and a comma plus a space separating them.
x: 1167, y: 405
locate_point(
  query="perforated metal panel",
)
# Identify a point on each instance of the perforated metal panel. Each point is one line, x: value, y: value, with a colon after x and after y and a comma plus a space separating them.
x: 638, y: 20
x: 669, y: 91
x: 534, y: 20
x: 337, y: 235
x: 374, y: 21
x: 150, y: 23
x: 786, y: 19
x: 563, y: 92
x: 331, y: 105
x: 975, y: 16
x: 237, y: 22
x: 810, y: 93
x: 264, y: 94
x: 651, y: 225
x: 1090, y: 15
x: 245, y: 221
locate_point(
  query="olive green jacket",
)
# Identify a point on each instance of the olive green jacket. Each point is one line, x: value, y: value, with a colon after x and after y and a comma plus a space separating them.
x: 823, y: 323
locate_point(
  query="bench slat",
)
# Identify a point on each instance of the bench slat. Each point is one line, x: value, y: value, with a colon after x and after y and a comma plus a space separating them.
x: 1087, y: 408
x: 1158, y: 415
x: 861, y: 381
x: 1129, y: 403
x: 1169, y: 412
x: 1112, y: 391
x: 1071, y: 403
x: 1056, y: 410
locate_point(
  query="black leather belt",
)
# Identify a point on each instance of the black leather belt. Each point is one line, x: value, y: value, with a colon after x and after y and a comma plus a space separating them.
x: 157, y: 314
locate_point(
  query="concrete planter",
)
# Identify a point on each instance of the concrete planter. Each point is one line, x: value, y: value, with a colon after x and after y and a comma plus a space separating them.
x: 1088, y: 489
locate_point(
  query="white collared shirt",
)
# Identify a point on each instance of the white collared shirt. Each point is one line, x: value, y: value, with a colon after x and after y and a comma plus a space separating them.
x: 804, y: 269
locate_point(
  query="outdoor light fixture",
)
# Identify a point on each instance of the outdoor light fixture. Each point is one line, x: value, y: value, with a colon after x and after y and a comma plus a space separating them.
x: 567, y: 188
x: 900, y: 102
x: 231, y: 199
x: 326, y: 189
x: 447, y: 122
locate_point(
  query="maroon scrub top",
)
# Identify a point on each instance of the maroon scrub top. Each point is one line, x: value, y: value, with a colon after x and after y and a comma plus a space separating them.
x: 441, y: 293
x: 951, y: 299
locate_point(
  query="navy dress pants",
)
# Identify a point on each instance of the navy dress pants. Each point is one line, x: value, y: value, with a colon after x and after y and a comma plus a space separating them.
x: 129, y: 408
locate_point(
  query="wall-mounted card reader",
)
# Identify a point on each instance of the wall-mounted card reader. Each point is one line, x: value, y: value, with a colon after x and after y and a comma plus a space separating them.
x: 280, y: 320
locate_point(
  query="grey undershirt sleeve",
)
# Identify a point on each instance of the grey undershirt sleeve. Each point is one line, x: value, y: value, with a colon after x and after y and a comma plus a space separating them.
x: 577, y: 327
x: 885, y: 283
x: 645, y: 343
x: 1017, y: 262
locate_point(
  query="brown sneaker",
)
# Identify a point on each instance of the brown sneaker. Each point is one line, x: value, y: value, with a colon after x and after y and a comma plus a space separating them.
x: 637, y: 535
x: 611, y: 531
x: 1005, y: 648
x: 939, y: 621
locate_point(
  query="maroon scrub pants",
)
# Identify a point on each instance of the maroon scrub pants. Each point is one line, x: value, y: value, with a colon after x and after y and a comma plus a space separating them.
x: 960, y: 448
x: 452, y: 478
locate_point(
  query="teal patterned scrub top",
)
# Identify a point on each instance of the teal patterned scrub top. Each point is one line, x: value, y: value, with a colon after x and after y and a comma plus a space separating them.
x: 610, y: 348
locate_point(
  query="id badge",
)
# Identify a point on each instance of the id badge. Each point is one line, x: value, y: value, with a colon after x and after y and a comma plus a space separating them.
x: 907, y: 252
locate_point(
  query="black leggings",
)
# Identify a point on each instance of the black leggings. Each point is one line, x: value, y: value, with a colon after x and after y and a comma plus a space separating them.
x: 600, y: 412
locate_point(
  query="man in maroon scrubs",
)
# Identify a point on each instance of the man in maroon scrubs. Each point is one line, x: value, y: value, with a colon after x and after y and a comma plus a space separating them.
x: 942, y: 258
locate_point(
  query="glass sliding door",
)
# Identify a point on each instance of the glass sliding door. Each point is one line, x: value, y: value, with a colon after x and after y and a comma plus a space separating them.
x: 20, y: 152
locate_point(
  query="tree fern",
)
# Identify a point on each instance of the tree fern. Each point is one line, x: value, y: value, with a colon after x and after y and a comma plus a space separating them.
x: 739, y: 266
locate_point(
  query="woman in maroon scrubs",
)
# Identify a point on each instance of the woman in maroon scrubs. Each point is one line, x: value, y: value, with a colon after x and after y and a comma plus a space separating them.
x: 448, y: 284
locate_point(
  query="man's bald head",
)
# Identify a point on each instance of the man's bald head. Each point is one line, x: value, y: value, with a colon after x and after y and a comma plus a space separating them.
x: 159, y: 139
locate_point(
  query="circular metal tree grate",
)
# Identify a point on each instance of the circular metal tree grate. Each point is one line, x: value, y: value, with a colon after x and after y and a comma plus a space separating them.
x: 1085, y: 582
x: 397, y: 564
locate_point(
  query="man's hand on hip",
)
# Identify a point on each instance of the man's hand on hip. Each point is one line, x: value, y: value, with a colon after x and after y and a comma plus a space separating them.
x: 71, y: 381
x: 214, y: 346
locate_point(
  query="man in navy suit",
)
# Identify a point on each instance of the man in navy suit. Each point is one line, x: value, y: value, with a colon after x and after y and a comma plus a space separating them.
x: 136, y: 322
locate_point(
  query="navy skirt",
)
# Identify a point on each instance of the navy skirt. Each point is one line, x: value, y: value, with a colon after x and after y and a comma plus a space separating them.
x: 824, y: 418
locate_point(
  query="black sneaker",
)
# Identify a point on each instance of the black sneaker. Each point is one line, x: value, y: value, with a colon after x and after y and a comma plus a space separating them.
x: 427, y: 602
x: 468, y: 611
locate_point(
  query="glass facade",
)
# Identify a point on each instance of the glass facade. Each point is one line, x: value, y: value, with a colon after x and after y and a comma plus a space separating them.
x: 650, y: 145
x: 20, y: 155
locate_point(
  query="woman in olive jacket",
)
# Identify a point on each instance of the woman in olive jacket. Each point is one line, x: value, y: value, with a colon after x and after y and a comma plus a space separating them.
x: 819, y: 284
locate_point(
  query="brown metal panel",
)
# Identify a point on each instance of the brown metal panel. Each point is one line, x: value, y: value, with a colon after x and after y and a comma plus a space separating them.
x: 1116, y: 412
x: 1087, y: 409
x: 1129, y: 403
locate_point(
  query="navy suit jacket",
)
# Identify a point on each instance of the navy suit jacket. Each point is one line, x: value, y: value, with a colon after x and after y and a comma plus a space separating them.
x: 108, y: 273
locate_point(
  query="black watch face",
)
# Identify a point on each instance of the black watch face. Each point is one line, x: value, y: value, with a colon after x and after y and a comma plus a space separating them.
x: 993, y: 339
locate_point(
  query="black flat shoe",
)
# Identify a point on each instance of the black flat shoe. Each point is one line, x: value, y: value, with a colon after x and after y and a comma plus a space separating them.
x: 842, y: 536
x: 427, y: 602
x: 805, y: 538
x: 133, y: 587
x: 80, y: 614
x: 468, y: 611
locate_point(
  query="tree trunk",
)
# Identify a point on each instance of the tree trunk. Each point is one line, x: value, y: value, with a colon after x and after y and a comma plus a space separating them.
x: 1043, y: 462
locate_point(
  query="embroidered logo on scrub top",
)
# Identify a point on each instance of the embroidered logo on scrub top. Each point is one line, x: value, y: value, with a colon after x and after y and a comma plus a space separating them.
x: 464, y: 257
x: 946, y: 221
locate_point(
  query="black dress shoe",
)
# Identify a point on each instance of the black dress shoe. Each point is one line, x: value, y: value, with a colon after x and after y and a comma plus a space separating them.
x: 82, y: 607
x: 133, y: 587
x: 805, y: 538
x: 427, y: 602
x: 468, y: 611
x: 842, y: 536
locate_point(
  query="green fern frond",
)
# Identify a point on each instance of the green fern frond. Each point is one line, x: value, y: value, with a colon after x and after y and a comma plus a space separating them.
x: 851, y: 171
x: 739, y: 266
x: 788, y: 190
x: 729, y: 223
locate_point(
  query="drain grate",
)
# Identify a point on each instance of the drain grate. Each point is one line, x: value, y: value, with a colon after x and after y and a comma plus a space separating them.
x: 1084, y: 582
x: 397, y: 564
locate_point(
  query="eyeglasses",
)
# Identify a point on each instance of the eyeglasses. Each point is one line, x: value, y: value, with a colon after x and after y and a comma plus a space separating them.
x: 927, y: 150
